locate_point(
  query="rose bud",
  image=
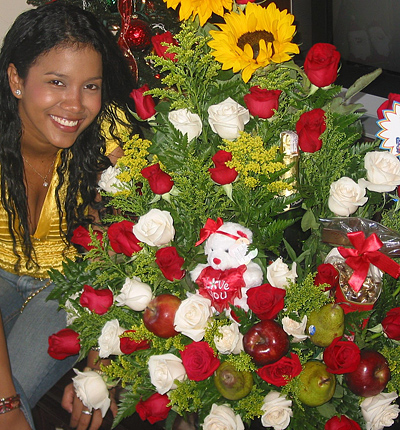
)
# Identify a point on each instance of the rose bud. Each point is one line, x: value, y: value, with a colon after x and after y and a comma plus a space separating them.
x: 266, y: 301
x: 129, y: 345
x: 97, y: 301
x: 221, y: 173
x: 154, y: 409
x: 81, y: 237
x: 341, y: 423
x: 321, y: 64
x: 199, y: 360
x: 63, y: 344
x: 327, y: 274
x: 122, y: 239
x: 391, y: 324
x: 158, y: 45
x: 159, y: 181
x: 387, y: 104
x: 144, y: 104
x: 309, y: 128
x: 261, y: 102
x: 170, y: 263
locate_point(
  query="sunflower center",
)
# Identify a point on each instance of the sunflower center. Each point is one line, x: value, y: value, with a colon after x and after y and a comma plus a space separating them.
x: 253, y: 38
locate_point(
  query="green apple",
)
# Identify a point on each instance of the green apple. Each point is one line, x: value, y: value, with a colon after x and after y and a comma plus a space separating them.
x: 317, y: 384
x: 232, y: 383
x: 326, y: 323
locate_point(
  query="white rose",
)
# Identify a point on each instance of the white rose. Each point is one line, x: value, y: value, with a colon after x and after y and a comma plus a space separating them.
x: 228, y: 118
x: 295, y: 329
x: 109, y: 340
x: 71, y: 311
x: 134, y: 294
x: 156, y: 228
x: 230, y: 341
x: 222, y: 417
x: 186, y: 122
x: 164, y: 370
x: 278, y: 273
x: 378, y: 411
x: 383, y: 171
x: 192, y: 316
x: 92, y: 390
x: 345, y: 196
x: 277, y: 411
x: 109, y: 181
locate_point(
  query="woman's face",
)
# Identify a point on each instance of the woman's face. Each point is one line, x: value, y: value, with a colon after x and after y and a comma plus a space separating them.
x: 60, y: 96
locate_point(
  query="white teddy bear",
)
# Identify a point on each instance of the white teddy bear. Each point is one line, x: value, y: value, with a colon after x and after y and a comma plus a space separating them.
x: 230, y: 271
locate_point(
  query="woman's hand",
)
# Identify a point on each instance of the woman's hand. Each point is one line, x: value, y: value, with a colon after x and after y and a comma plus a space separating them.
x: 79, y: 419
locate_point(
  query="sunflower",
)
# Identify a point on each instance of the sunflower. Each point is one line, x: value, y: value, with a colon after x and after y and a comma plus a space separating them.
x: 203, y: 8
x: 254, y: 39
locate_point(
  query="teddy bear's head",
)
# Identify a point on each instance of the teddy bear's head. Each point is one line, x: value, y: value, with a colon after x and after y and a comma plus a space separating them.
x: 227, y: 248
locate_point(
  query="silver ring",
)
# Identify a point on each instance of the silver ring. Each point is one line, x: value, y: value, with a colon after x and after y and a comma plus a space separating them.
x: 86, y: 412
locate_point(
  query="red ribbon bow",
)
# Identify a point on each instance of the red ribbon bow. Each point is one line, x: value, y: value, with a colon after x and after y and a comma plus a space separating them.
x: 366, y: 253
x: 209, y: 228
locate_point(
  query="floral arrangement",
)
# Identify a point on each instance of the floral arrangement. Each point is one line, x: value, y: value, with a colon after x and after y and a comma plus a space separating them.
x: 248, y: 272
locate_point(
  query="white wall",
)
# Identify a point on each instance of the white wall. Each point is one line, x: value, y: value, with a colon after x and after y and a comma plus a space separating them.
x: 9, y: 10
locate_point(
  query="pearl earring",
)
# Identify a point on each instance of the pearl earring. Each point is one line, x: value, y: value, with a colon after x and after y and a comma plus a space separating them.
x: 18, y: 92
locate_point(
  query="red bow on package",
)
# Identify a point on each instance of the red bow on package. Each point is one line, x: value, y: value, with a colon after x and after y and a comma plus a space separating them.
x: 366, y: 253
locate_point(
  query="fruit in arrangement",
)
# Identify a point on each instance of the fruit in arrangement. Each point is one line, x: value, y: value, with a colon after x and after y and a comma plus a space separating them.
x: 371, y: 376
x: 232, y: 383
x: 317, y: 384
x: 266, y: 342
x: 325, y: 324
x: 159, y: 315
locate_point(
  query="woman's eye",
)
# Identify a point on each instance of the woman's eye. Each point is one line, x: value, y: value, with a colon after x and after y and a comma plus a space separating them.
x: 56, y: 82
x: 92, y: 87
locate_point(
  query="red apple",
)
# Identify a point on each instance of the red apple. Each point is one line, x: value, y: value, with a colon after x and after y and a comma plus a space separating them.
x: 266, y: 342
x: 371, y: 376
x: 159, y: 315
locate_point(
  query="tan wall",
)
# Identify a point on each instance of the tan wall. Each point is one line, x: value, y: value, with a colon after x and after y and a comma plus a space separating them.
x: 9, y: 10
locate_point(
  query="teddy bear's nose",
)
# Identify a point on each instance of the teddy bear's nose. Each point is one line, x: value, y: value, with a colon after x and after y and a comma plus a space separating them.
x: 216, y: 260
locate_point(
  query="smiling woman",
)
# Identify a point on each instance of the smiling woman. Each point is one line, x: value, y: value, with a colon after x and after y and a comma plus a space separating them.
x: 64, y: 94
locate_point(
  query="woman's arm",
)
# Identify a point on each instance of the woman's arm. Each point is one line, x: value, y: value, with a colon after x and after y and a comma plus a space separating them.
x: 13, y: 419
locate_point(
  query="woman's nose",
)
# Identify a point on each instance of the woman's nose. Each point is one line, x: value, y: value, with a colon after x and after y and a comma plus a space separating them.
x: 73, y: 101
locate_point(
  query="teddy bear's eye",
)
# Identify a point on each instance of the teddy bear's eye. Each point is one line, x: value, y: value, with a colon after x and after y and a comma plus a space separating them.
x: 227, y: 251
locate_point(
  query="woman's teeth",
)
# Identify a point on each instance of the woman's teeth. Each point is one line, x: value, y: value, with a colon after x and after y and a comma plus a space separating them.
x: 64, y: 121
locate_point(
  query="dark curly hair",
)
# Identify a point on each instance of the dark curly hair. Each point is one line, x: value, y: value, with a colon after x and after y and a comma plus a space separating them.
x: 33, y: 34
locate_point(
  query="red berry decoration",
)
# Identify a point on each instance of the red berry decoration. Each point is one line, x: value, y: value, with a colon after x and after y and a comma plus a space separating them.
x: 138, y: 34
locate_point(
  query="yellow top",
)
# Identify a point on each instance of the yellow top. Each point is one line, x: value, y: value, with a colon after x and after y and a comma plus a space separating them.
x: 50, y: 249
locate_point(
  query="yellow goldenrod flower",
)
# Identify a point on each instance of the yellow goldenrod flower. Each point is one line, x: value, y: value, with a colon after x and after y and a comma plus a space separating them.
x: 254, y: 39
x: 203, y: 8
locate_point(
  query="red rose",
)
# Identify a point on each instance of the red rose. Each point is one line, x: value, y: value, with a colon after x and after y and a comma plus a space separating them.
x: 341, y: 423
x: 97, y: 301
x: 341, y: 356
x: 262, y: 103
x: 81, y: 236
x: 266, y: 301
x: 199, y: 361
x: 154, y: 409
x: 244, y: 1
x: 170, y: 263
x: 321, y: 64
x: 63, y: 344
x: 122, y: 239
x: 387, y: 104
x: 282, y: 371
x: 221, y: 173
x: 309, y: 128
x: 327, y: 274
x: 144, y: 104
x: 159, y: 181
x: 391, y: 324
x: 159, y: 47
x: 127, y: 345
